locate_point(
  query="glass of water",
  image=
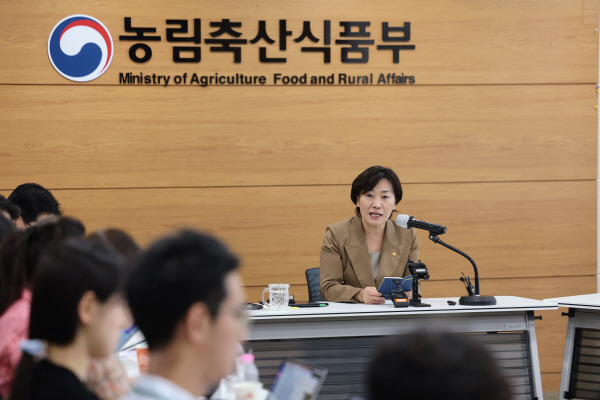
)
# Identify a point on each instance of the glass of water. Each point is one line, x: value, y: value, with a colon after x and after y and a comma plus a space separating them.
x: 279, y: 296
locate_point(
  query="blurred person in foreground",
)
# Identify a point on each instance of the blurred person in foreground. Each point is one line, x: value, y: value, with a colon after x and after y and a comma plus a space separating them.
x: 106, y: 377
x: 6, y: 226
x: 9, y: 210
x: 434, y: 366
x: 20, y: 252
x: 77, y: 313
x: 187, y: 298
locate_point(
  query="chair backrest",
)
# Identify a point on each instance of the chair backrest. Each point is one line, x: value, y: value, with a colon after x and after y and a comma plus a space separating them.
x: 314, y: 285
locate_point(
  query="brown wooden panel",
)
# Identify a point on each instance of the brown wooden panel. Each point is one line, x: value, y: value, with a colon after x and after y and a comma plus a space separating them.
x: 510, y: 229
x: 492, y: 42
x: 590, y: 12
x: 89, y: 137
x: 533, y: 288
x: 551, y: 384
x: 551, y: 334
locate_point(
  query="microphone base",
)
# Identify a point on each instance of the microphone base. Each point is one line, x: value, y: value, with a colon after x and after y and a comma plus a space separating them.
x: 477, y: 301
x: 417, y: 303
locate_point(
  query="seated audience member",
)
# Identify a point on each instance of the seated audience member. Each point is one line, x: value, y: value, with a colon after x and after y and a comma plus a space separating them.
x: 20, y: 252
x: 35, y: 202
x: 356, y: 254
x: 77, y: 312
x: 434, y: 366
x: 9, y: 210
x: 187, y: 298
x: 6, y: 226
x: 106, y: 377
x: 118, y: 241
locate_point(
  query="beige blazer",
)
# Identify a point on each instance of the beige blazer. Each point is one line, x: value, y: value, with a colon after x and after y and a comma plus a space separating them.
x: 345, y: 266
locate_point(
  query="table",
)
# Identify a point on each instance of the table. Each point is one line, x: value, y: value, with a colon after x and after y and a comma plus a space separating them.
x: 342, y: 337
x: 581, y: 363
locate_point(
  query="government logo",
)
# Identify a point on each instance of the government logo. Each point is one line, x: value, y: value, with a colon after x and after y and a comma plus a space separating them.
x: 80, y: 48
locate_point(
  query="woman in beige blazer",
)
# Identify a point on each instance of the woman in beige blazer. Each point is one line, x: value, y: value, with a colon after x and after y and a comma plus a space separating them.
x: 358, y: 253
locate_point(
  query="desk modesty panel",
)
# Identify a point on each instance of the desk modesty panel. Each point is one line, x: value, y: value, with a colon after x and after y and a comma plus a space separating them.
x: 580, y: 378
x: 342, y: 338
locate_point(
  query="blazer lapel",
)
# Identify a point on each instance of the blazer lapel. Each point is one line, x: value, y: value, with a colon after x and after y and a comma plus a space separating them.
x: 358, y: 253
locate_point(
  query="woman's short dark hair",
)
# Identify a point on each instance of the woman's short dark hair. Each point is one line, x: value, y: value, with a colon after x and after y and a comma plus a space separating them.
x: 369, y: 178
x: 65, y: 273
x: 12, y: 209
x: 20, y: 253
x: 118, y: 241
x: 6, y: 226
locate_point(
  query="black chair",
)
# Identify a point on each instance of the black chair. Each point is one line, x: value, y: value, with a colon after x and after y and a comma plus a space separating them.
x: 314, y: 284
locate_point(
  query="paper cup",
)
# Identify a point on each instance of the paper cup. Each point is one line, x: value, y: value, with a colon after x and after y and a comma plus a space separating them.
x: 247, y: 390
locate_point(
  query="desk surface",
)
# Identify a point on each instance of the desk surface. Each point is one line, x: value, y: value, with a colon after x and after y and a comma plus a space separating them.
x: 589, y: 301
x: 356, y: 310
x: 438, y: 306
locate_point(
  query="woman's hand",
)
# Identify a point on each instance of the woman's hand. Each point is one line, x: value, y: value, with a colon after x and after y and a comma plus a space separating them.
x: 370, y: 295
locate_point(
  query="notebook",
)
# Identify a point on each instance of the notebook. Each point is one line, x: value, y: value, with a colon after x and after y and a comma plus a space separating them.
x: 387, y: 284
x: 297, y: 380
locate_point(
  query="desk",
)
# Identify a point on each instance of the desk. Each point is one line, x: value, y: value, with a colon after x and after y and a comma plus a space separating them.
x: 342, y: 337
x: 581, y: 363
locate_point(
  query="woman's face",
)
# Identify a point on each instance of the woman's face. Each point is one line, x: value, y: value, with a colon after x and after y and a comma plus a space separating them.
x: 376, y: 205
x: 105, y: 329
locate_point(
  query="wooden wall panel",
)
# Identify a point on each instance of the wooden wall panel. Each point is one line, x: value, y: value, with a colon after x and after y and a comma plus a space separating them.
x: 89, y: 137
x: 457, y: 41
x: 527, y: 229
x: 550, y: 382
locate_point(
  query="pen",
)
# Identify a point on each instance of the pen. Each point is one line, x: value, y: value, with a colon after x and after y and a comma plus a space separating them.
x: 311, y: 305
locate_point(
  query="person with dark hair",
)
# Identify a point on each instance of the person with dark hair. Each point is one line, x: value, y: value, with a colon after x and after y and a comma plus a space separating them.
x: 77, y: 312
x: 187, y: 298
x: 9, y: 210
x: 20, y: 252
x: 433, y: 366
x: 36, y: 203
x: 6, y: 226
x: 118, y: 241
x: 356, y: 254
x: 106, y: 377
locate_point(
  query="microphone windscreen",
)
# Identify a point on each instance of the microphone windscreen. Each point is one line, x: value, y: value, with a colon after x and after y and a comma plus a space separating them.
x: 402, y: 220
x: 406, y: 283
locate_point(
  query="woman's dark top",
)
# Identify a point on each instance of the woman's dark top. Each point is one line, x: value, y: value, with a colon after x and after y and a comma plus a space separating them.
x: 52, y: 382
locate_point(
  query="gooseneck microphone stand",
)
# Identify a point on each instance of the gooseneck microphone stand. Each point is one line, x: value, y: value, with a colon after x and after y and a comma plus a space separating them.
x: 473, y: 299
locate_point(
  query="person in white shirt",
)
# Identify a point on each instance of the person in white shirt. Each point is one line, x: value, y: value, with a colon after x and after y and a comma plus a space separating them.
x: 187, y: 298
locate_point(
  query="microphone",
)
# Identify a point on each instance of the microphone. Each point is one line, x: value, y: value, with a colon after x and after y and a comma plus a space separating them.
x: 408, y: 221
